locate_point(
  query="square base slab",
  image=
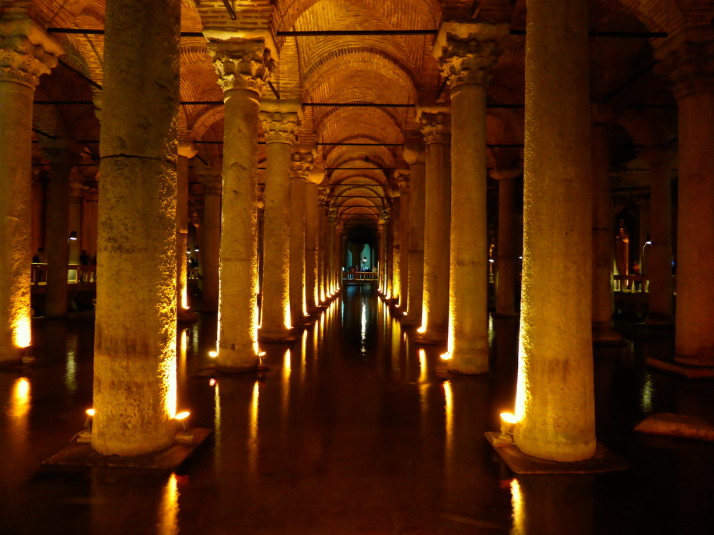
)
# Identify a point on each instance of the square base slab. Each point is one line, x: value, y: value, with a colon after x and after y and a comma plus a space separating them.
x: 690, y: 372
x: 82, y: 455
x: 520, y: 463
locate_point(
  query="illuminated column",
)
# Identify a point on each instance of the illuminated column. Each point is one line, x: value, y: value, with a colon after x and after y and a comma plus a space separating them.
x: 659, y: 257
x: 508, y: 247
x: 395, y: 255
x: 414, y: 156
x: 643, y: 205
x: 211, y: 237
x: 402, y: 177
x: 312, y: 240
x: 322, y: 247
x: 242, y: 73
x: 383, y: 228
x: 603, y: 244
x: 185, y: 153
x: 555, y: 399
x: 280, y: 122
x: 25, y: 54
x: 437, y: 217
x: 78, y: 220
x: 331, y: 264
x: 467, y: 53
x: 692, y: 72
x: 62, y: 157
x: 302, y: 161
x: 135, y: 332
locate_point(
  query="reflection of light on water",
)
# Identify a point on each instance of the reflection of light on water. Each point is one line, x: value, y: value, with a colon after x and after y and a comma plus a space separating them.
x: 70, y: 371
x: 518, y: 510
x: 253, y: 427
x: 19, y: 410
x: 217, y: 412
x: 303, y: 348
x: 491, y: 331
x: 647, y: 394
x: 363, y: 332
x: 287, y: 371
x: 422, y: 366
x: 448, y: 416
x: 168, y: 514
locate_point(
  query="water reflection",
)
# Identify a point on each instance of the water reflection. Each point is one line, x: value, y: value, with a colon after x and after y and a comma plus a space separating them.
x: 70, y: 370
x: 518, y: 511
x: 253, y: 428
x: 169, y: 509
x: 19, y: 411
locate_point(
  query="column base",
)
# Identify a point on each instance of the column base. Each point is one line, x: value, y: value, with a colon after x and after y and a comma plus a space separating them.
x: 277, y: 337
x: 468, y: 364
x: 605, y: 335
x: 187, y: 316
x: 247, y: 369
x: 17, y: 359
x: 430, y: 338
x: 656, y: 321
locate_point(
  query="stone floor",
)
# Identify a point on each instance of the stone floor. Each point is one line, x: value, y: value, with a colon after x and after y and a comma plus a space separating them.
x: 350, y: 431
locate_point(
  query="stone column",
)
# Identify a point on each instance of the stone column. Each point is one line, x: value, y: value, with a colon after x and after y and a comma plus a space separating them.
x: 467, y: 53
x: 135, y: 332
x: 242, y: 70
x: 661, y: 295
x: 384, y: 253
x: 78, y: 220
x: 186, y: 151
x: 25, y: 54
x: 312, y: 239
x: 508, y: 247
x: 437, y: 216
x: 603, y: 245
x: 332, y: 266
x: 63, y: 156
x: 302, y: 161
x: 280, y: 122
x: 395, y: 254
x: 402, y: 177
x: 414, y: 156
x: 210, y: 237
x: 322, y: 247
x: 555, y: 400
x: 692, y: 72
x: 643, y: 205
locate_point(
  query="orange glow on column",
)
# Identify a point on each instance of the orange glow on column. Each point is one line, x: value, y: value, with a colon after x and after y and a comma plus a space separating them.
x: 22, y: 331
x: 184, y: 298
x: 286, y: 315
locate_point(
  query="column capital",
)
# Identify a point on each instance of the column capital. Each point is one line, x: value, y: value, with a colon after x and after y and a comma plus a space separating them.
x: 689, y: 66
x: 26, y: 51
x: 507, y: 173
x: 301, y: 163
x: 413, y: 148
x: 281, y: 121
x: 186, y: 148
x: 467, y: 51
x: 435, y: 124
x: 241, y: 64
x: 402, y: 178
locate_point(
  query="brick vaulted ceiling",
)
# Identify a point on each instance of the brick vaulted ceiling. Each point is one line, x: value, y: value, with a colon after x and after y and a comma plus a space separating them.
x: 328, y: 72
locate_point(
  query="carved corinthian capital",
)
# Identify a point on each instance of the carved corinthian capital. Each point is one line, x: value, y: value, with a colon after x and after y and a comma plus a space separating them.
x: 280, y: 123
x: 435, y: 125
x: 26, y: 51
x: 301, y: 164
x: 467, y: 52
x: 690, y: 67
x: 242, y: 64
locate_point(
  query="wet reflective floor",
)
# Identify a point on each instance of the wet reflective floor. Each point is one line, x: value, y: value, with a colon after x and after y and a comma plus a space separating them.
x: 350, y: 431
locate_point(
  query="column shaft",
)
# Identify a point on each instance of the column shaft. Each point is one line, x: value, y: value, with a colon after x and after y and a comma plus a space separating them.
x: 404, y: 217
x: 507, y: 249
x: 312, y: 235
x: 555, y: 399
x: 135, y: 333
x: 211, y: 242
x: 416, y: 242
x: 468, y: 280
x: 661, y: 294
x: 297, y: 250
x: 395, y: 235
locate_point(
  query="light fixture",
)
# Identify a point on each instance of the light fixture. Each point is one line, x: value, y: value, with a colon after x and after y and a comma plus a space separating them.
x: 85, y: 435
x: 73, y: 235
x: 185, y: 436
x: 508, y: 422
x: 213, y: 354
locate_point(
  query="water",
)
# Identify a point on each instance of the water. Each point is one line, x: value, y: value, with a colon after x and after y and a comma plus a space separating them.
x: 349, y: 431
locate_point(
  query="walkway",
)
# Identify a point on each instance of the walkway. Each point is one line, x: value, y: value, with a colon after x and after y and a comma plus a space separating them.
x: 348, y: 432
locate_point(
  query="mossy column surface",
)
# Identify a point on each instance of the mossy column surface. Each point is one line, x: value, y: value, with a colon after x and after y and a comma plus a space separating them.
x: 280, y: 122
x: 302, y: 161
x: 402, y: 177
x: 242, y: 73
x: 467, y: 53
x: 62, y: 156
x: 135, y: 333
x: 692, y: 72
x: 312, y: 240
x: 25, y: 54
x: 661, y: 289
x: 555, y: 404
x: 603, y: 244
x: 414, y: 156
x: 508, y: 246
x: 436, y: 126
